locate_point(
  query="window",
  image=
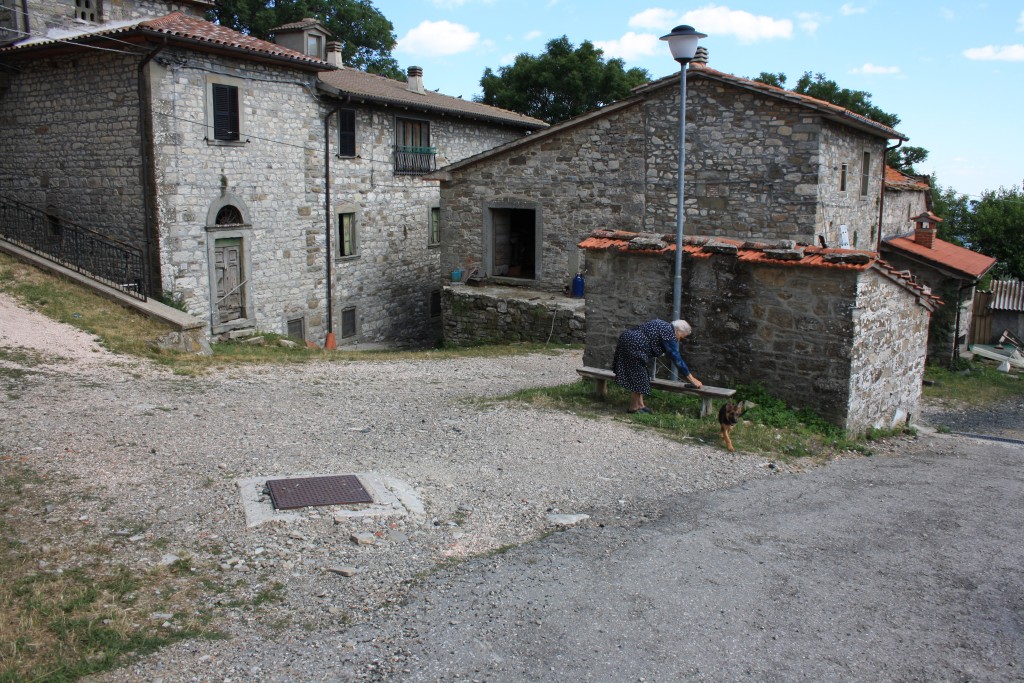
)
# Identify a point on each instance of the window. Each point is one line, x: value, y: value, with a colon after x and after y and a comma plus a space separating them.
x: 842, y: 178
x: 413, y: 153
x: 315, y: 46
x: 434, y: 235
x: 297, y: 329
x: 346, y: 133
x: 348, y: 322
x: 225, y: 112
x: 865, y: 174
x: 88, y: 10
x: 347, y: 234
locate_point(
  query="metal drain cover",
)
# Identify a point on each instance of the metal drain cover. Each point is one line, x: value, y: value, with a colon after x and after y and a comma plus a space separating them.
x: 288, y: 494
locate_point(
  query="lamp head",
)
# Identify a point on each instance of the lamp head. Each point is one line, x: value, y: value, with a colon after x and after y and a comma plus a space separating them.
x: 683, y: 42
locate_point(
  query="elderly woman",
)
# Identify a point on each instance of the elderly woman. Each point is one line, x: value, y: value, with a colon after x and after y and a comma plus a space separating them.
x: 636, y: 348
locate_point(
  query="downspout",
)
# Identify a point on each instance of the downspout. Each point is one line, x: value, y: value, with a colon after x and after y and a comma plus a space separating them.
x: 24, y: 13
x: 327, y: 226
x: 148, y: 173
x: 881, y: 202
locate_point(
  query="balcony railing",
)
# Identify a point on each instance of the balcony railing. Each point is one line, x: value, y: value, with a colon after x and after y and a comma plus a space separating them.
x: 73, y: 246
x: 410, y: 160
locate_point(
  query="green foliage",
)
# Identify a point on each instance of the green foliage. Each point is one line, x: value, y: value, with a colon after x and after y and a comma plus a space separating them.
x: 857, y: 101
x: 970, y: 383
x: 955, y: 211
x: 904, y: 157
x: 367, y: 36
x: 992, y: 225
x: 776, y: 79
x: 561, y: 83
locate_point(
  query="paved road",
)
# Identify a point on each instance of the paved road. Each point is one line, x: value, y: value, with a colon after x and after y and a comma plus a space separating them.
x: 905, y: 568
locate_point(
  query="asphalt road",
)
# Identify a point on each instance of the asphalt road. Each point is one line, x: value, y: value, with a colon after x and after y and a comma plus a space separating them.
x: 896, y: 568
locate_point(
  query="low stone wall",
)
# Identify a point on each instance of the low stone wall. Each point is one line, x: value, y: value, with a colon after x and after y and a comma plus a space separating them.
x: 474, y: 315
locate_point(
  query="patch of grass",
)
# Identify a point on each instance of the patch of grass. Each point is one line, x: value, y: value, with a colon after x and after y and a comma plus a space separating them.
x: 770, y: 427
x: 972, y: 384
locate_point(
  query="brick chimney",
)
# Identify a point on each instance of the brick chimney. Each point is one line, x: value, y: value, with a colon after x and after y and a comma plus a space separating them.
x: 924, y: 230
x: 334, y: 53
x: 700, y: 57
x: 416, y: 79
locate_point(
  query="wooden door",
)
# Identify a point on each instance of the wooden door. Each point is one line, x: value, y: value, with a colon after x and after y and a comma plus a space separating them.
x: 230, y: 283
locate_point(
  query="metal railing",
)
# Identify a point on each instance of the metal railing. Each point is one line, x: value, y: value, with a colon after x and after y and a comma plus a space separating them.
x: 91, y: 253
x: 415, y: 159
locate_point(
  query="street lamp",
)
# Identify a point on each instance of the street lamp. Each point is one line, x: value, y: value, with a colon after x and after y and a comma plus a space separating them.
x: 683, y: 44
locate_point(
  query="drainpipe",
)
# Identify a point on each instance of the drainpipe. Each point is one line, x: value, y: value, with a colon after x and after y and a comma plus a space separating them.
x: 881, y: 201
x: 329, y: 340
x: 147, y: 172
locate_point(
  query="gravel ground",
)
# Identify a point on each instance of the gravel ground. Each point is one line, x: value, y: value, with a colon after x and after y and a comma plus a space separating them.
x: 163, y: 454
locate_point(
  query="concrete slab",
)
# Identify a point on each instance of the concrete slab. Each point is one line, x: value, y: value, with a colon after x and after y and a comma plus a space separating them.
x: 391, y: 498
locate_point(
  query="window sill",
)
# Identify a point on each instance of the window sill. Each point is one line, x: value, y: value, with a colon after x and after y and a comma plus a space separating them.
x: 436, y: 245
x: 353, y: 257
x: 212, y: 142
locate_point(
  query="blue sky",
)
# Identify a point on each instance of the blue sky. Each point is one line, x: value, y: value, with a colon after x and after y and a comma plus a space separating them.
x: 952, y: 71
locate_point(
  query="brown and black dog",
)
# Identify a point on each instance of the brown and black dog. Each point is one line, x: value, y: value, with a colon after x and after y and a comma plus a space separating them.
x: 728, y: 416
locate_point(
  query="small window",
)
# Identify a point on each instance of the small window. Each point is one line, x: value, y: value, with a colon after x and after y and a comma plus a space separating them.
x: 88, y: 10
x: 865, y: 175
x: 413, y: 153
x: 434, y: 238
x: 842, y: 178
x: 297, y: 329
x: 225, y: 113
x: 346, y: 133
x: 53, y: 227
x: 315, y: 46
x: 348, y: 322
x: 229, y: 215
x: 347, y: 234
x: 435, y: 304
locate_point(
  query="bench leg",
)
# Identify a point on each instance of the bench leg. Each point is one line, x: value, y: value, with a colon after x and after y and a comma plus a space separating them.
x: 706, y: 407
x: 601, y: 386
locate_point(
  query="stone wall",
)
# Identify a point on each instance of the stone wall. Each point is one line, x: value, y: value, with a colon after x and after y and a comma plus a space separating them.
x: 898, y: 209
x: 46, y: 14
x: 853, y: 207
x: 473, y: 316
x: 70, y: 142
x: 803, y: 332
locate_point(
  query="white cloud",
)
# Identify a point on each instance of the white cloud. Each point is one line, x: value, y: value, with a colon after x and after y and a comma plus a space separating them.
x: 438, y: 38
x: 947, y: 14
x: 532, y: 35
x: 873, y: 69
x: 849, y: 10
x: 808, y: 22
x: 655, y: 18
x: 998, y: 53
x: 716, y: 20
x: 631, y: 46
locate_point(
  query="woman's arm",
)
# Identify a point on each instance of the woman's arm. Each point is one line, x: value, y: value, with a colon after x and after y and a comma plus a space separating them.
x: 672, y: 350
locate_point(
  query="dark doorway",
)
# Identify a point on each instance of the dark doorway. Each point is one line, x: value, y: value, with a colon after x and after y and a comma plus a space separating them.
x: 514, y: 240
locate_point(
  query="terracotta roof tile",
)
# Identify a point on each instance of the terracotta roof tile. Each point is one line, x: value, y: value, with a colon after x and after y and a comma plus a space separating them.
x: 944, y: 254
x: 387, y: 90
x: 901, y: 182
x: 784, y: 253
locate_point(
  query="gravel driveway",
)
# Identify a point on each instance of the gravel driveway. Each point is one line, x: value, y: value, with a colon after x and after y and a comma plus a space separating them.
x: 166, y: 453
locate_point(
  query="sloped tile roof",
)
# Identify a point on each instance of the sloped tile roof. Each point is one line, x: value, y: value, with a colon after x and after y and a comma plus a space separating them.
x: 832, y: 111
x: 783, y: 253
x: 372, y: 87
x: 308, y: 22
x: 182, y: 28
x: 962, y: 261
x: 1007, y: 295
x: 901, y: 182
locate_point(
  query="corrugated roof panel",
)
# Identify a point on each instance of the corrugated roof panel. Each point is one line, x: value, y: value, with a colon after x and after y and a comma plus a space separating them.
x: 1007, y: 295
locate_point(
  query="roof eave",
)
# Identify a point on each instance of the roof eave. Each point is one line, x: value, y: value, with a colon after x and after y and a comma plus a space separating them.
x: 943, y: 268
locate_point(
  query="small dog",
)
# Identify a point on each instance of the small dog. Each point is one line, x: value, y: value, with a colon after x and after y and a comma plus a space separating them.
x: 728, y: 416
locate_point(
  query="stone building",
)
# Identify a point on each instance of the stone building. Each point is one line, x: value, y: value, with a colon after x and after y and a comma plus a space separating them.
x: 211, y: 151
x: 762, y: 163
x: 838, y: 331
x: 904, y: 198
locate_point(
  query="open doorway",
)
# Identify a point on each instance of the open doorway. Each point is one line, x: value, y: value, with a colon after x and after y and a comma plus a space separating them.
x: 513, y: 243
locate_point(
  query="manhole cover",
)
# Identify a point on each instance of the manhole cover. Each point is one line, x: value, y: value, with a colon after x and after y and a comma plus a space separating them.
x: 288, y: 494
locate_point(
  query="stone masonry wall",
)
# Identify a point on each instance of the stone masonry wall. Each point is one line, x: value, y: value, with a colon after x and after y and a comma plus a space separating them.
x: 858, y: 211
x: 898, y: 209
x: 475, y: 317
x: 69, y: 141
x: 45, y: 14
x: 791, y: 328
x: 887, y: 362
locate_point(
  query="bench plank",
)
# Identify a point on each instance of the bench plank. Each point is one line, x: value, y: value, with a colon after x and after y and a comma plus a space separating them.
x: 601, y: 377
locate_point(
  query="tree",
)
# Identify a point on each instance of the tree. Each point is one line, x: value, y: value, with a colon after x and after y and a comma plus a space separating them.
x: 366, y: 35
x: 955, y: 211
x: 997, y: 230
x: 560, y: 83
x: 819, y: 87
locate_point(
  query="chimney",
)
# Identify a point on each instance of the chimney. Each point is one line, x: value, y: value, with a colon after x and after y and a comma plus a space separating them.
x: 334, y: 53
x: 924, y: 230
x: 700, y: 57
x: 416, y: 79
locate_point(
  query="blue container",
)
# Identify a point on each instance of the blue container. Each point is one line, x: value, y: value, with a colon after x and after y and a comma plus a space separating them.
x: 577, y: 286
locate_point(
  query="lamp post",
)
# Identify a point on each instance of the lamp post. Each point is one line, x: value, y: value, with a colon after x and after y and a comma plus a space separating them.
x: 682, y: 41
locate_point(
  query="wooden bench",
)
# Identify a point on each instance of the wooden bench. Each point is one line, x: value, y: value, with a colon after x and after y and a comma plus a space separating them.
x: 706, y: 393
